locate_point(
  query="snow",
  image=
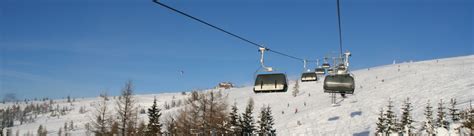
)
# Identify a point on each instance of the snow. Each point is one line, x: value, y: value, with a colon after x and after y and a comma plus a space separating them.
x: 356, y: 115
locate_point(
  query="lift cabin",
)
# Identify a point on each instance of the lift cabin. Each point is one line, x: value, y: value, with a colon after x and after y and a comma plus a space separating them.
x: 275, y: 82
x: 309, y: 76
x: 326, y: 65
x: 339, y: 83
x: 319, y: 71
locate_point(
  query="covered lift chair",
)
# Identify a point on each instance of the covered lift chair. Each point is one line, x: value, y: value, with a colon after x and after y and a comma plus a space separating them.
x: 309, y: 75
x: 340, y: 81
x: 269, y: 82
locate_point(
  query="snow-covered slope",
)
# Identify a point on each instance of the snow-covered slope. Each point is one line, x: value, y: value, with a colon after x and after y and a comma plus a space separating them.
x: 356, y: 115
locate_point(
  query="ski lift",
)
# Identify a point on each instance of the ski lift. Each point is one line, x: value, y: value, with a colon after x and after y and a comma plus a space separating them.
x: 309, y: 75
x: 340, y: 81
x: 326, y: 64
x: 320, y: 71
x: 270, y: 82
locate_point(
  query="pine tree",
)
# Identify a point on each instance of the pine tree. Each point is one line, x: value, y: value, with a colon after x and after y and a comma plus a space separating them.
x: 266, y: 122
x: 468, y: 118
x: 391, y: 119
x: 429, y: 122
x: 262, y: 122
x: 406, y: 118
x: 453, y: 111
x: 441, y: 120
x: 381, y: 124
x: 247, y: 119
x: 296, y: 89
x: 154, y: 114
x: 40, y: 130
x: 234, y: 120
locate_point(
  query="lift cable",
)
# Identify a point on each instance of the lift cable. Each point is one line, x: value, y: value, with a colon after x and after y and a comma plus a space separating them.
x: 229, y: 33
x: 340, y: 31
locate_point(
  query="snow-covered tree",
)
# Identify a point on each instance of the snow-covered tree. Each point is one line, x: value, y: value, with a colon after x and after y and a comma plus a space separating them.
x: 170, y: 126
x: 42, y: 131
x: 406, y: 118
x: 154, y: 126
x: 453, y: 111
x: 234, y: 120
x: 467, y: 119
x: 296, y: 89
x: 429, y: 125
x: 391, y: 119
x: 266, y: 122
x: 248, y: 125
x: 381, y: 123
x: 441, y: 120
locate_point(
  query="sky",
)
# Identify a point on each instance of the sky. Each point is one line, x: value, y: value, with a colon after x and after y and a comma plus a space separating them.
x: 55, y: 48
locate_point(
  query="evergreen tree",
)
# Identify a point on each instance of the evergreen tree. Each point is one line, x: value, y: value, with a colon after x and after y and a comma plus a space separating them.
x: 247, y: 119
x: 468, y: 118
x: 154, y: 114
x: 266, y: 122
x: 296, y: 89
x: 234, y: 120
x: 40, y: 130
x: 391, y: 119
x: 429, y: 122
x: 381, y: 124
x: 453, y: 111
x: 406, y: 118
x: 441, y: 120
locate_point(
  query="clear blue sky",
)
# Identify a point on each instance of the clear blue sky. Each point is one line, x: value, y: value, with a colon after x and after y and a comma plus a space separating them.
x: 82, y: 47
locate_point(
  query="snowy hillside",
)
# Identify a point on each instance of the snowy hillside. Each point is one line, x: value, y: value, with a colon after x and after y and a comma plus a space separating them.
x: 356, y: 115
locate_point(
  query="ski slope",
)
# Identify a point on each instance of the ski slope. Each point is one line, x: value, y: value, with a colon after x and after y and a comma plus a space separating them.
x: 356, y: 115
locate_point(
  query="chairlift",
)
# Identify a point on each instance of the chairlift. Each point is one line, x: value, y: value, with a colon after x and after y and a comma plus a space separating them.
x: 275, y: 82
x: 326, y: 63
x: 320, y: 71
x: 269, y: 82
x: 341, y: 81
x: 308, y: 75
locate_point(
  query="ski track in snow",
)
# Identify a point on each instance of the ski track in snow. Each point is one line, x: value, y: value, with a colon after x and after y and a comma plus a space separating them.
x: 355, y: 115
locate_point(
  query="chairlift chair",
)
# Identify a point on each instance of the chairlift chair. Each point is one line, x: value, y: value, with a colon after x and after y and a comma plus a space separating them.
x: 326, y: 65
x: 274, y: 82
x: 339, y: 83
x: 320, y: 71
x: 269, y: 82
x: 309, y: 76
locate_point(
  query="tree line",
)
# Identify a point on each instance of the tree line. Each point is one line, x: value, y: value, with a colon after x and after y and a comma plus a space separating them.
x: 448, y: 119
x: 203, y: 113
